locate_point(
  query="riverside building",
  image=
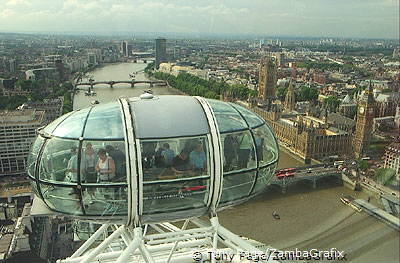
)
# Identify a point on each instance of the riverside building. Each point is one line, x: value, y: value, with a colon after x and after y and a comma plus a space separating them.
x: 17, y: 132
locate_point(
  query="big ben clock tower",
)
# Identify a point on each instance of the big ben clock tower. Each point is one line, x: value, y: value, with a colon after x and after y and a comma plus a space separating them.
x: 365, y: 116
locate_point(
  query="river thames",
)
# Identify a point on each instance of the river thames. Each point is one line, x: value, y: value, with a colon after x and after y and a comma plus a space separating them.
x: 310, y: 218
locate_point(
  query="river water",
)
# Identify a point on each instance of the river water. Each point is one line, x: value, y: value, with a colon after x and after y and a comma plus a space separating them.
x: 310, y: 218
x: 118, y: 71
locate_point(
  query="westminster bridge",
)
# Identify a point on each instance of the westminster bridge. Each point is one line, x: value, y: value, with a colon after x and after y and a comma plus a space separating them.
x: 311, y: 174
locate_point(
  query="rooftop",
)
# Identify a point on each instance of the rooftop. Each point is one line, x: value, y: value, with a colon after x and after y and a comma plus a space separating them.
x: 21, y: 116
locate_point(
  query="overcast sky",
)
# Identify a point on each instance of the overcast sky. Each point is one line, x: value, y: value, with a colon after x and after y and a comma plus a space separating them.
x: 308, y: 18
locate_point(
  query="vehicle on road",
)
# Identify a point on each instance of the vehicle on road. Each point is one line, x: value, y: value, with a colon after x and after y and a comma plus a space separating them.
x: 285, y: 175
x: 287, y: 172
x: 348, y: 200
x: 337, y: 163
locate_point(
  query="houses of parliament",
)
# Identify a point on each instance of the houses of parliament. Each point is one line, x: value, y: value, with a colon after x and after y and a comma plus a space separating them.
x: 313, y: 133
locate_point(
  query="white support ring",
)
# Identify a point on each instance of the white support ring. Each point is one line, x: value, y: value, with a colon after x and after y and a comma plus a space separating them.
x: 217, y: 172
x: 131, y: 167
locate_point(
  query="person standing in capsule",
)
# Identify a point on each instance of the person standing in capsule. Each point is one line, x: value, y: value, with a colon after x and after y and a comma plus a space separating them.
x: 105, y: 168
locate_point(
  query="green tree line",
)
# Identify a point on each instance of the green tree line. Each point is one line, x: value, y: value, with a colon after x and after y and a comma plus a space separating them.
x: 333, y: 66
x: 348, y: 50
x: 332, y: 103
x: 195, y: 86
x: 303, y: 93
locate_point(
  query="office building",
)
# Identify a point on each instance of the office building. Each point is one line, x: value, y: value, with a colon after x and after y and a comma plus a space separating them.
x: 392, y: 157
x: 124, y: 48
x: 161, y: 51
x: 51, y: 107
x: 17, y: 132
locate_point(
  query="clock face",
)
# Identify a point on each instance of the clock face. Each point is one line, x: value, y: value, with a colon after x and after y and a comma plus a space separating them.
x: 361, y: 110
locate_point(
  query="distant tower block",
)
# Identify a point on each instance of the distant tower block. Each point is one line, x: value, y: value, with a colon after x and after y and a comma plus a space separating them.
x: 290, y: 101
x: 124, y: 48
x: 365, y: 116
x: 161, y: 51
x: 267, y: 78
x: 397, y: 117
x: 396, y: 53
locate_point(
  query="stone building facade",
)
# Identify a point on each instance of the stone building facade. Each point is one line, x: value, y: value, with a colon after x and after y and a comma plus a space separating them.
x: 267, y: 78
x: 364, y: 124
x: 290, y: 100
x: 308, y: 137
x: 392, y: 157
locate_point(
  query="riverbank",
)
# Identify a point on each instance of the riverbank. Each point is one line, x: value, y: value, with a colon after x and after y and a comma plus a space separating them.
x: 313, y: 219
x: 177, y: 92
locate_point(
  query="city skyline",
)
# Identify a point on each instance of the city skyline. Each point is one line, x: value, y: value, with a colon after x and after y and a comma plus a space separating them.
x: 358, y: 19
x: 156, y: 127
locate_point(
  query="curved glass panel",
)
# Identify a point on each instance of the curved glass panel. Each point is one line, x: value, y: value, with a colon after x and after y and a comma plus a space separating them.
x: 72, y: 127
x: 85, y: 229
x: 34, y: 187
x: 62, y: 198
x: 50, y: 128
x: 228, y: 119
x: 177, y: 158
x: 264, y: 177
x: 103, y: 162
x: 175, y: 196
x: 267, y: 149
x: 59, y: 161
x: 175, y: 174
x: 104, y: 122
x: 252, y: 119
x: 103, y: 177
x: 237, y: 186
x: 168, y: 116
x: 105, y: 200
x: 33, y: 155
x: 238, y: 149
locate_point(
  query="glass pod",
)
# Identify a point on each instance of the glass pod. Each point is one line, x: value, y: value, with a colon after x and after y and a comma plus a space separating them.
x: 152, y: 159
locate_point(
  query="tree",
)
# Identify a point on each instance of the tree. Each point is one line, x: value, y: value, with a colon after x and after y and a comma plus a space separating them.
x: 332, y: 103
x: 306, y: 94
x: 281, y: 93
x: 362, y: 165
x: 11, y: 103
x: 195, y: 86
x: 149, y: 67
x: 67, y: 106
x: 385, y: 176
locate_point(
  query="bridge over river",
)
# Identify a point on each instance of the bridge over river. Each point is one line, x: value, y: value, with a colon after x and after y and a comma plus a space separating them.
x: 111, y: 83
x: 311, y: 173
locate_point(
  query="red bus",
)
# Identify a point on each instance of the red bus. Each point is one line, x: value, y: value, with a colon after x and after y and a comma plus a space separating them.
x: 288, y: 172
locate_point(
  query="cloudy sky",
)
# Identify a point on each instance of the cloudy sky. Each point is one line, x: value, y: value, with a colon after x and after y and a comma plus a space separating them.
x: 330, y: 18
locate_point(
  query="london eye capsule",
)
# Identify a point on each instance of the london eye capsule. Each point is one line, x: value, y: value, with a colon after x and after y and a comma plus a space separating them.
x: 152, y: 159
